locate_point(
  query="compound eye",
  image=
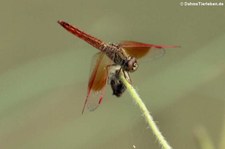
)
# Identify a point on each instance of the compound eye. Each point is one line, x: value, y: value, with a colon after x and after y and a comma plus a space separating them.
x: 135, y: 66
x: 132, y: 64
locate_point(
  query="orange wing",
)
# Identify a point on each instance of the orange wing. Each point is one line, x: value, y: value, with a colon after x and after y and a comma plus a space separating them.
x: 97, y: 81
x: 138, y: 49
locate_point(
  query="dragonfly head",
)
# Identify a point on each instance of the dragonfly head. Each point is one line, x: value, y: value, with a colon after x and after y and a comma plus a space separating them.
x: 131, y: 64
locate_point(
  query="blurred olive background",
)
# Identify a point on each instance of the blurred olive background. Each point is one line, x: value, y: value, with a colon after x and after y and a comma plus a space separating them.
x: 44, y: 72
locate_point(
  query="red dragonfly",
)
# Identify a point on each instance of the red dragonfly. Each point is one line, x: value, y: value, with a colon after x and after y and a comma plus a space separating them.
x: 120, y: 57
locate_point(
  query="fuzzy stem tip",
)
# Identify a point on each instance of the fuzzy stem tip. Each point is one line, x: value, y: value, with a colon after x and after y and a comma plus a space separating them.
x: 162, y: 141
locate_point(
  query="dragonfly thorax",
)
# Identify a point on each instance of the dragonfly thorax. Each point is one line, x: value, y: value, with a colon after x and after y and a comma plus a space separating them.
x: 119, y: 56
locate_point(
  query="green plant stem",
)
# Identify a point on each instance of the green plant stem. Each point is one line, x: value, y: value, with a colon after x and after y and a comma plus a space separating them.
x: 162, y: 141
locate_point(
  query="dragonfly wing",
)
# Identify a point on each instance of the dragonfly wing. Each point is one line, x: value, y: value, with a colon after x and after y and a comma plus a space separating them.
x: 138, y: 49
x: 97, y: 81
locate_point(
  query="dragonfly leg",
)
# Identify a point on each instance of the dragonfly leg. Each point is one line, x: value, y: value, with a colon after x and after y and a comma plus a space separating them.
x: 126, y: 75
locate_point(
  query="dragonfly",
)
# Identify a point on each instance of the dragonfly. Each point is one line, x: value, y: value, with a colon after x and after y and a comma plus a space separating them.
x: 111, y: 59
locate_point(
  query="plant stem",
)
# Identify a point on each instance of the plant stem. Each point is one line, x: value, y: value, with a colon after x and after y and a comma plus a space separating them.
x: 148, y: 117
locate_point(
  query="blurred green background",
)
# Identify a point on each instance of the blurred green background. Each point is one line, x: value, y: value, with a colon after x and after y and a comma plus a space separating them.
x: 44, y: 72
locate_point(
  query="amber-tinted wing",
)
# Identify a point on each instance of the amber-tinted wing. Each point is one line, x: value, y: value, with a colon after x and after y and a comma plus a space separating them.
x: 138, y: 49
x: 97, y: 81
